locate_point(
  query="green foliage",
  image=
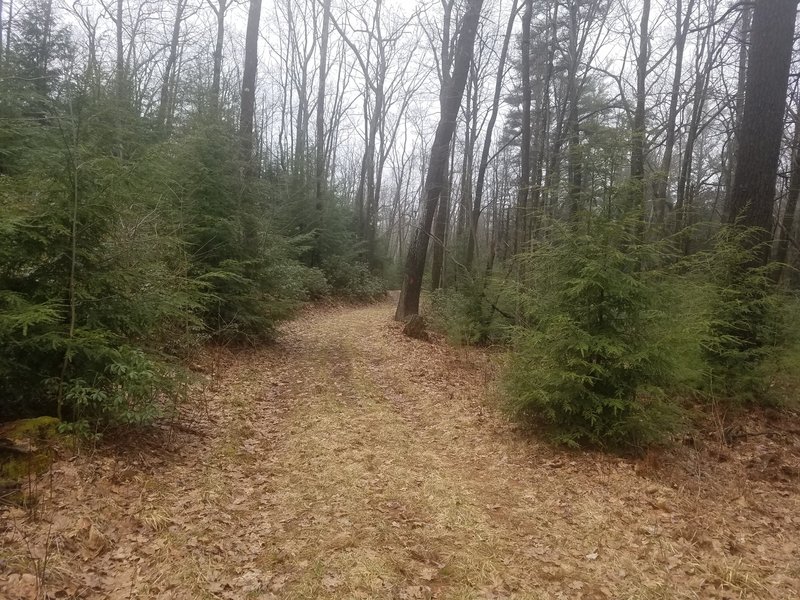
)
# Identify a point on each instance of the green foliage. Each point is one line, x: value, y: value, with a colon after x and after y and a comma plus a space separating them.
x: 84, y: 270
x: 122, y: 248
x: 744, y: 325
x: 585, y: 362
x: 466, y: 315
x: 456, y: 314
x: 352, y: 279
x: 781, y: 371
x: 132, y: 389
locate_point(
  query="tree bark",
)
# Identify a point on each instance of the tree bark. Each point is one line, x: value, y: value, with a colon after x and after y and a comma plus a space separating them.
x: 417, y: 253
x: 443, y: 209
x: 246, y: 119
x: 744, y: 46
x: 440, y: 228
x: 753, y: 195
x: 249, y: 85
x: 1, y: 33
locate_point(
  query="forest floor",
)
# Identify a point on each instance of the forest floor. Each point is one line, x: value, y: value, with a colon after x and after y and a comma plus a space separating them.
x: 348, y: 461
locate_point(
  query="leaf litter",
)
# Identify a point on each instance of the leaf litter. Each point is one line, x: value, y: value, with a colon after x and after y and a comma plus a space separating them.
x: 349, y: 461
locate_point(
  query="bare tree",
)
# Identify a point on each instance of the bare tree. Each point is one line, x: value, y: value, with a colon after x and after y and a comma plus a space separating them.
x: 521, y: 228
x: 487, y: 141
x: 682, y: 22
x: 321, y: 177
x: 639, y: 128
x: 415, y: 260
x: 169, y: 67
x: 220, y: 9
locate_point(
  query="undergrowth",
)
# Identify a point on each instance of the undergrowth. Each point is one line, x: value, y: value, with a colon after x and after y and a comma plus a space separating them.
x: 611, y: 339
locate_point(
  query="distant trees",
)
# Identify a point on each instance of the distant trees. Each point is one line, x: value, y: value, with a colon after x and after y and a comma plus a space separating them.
x: 264, y: 154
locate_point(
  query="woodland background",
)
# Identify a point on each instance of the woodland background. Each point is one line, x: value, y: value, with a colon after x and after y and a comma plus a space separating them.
x: 608, y: 190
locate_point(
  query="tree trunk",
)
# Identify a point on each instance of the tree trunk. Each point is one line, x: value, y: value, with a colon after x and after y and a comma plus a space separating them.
x: 702, y: 74
x: 662, y: 177
x: 744, y: 46
x: 521, y: 228
x: 1, y: 33
x: 247, y: 116
x: 418, y: 249
x: 787, y: 223
x: 440, y: 228
x: 487, y: 140
x: 120, y: 66
x: 543, y: 122
x: 639, y: 128
x: 753, y: 195
x: 321, y: 178
x: 216, y: 77
x: 8, y: 26
x: 164, y: 102
x: 249, y: 84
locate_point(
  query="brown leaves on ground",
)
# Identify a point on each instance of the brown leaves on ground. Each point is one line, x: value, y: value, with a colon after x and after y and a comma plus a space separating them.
x: 350, y: 461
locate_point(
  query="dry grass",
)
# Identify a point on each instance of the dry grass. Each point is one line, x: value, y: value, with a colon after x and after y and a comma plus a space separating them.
x: 351, y: 462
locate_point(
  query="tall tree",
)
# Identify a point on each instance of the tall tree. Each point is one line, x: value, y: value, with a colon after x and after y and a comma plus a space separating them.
x: 445, y: 63
x: 321, y: 177
x: 682, y: 22
x: 216, y: 76
x: 415, y: 261
x: 169, y: 67
x: 753, y: 194
x: 733, y: 143
x: 487, y: 140
x: 247, y: 116
x: 639, y: 128
x: 786, y: 228
x: 525, y: 139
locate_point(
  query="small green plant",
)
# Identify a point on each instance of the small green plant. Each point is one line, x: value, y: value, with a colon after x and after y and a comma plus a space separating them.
x: 585, y: 363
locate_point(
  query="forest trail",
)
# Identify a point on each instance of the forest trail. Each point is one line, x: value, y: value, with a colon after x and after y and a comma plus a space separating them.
x: 348, y: 461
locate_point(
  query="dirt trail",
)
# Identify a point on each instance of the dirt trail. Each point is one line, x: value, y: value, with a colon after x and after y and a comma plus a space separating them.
x: 351, y: 462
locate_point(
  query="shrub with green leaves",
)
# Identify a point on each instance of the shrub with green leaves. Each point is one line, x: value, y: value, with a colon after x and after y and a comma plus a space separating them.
x: 585, y: 363
x: 467, y: 314
x: 745, y: 329
x: 126, y: 242
x: 352, y: 279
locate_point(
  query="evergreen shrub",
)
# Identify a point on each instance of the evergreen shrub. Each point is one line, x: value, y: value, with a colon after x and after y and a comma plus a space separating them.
x: 585, y: 362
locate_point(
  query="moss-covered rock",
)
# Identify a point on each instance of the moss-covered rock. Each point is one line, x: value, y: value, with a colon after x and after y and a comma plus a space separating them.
x: 25, y: 450
x: 38, y: 429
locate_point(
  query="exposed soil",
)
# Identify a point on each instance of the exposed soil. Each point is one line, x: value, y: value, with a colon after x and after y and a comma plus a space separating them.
x: 350, y: 461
